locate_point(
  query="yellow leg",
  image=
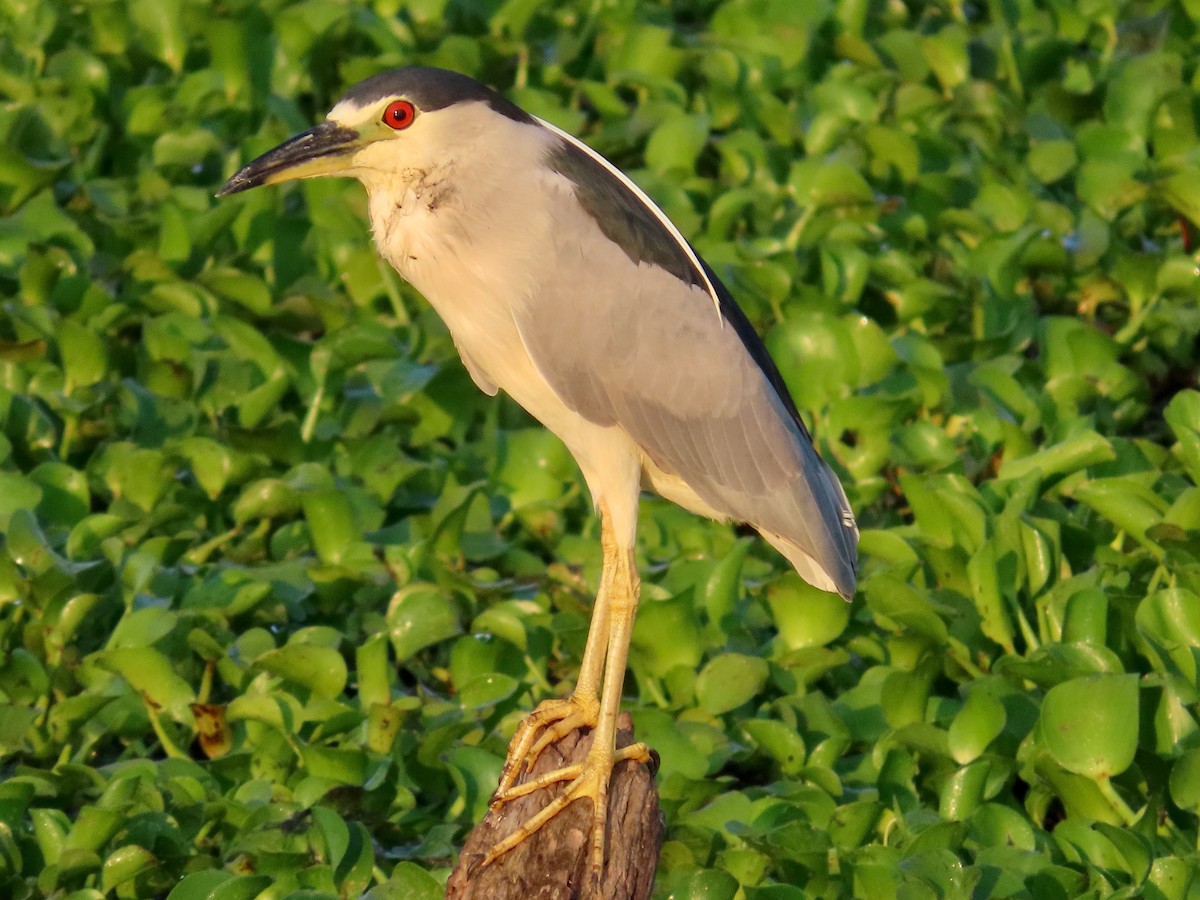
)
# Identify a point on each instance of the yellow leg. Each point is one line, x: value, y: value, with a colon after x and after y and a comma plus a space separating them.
x: 602, y: 756
x: 589, y: 779
x: 555, y: 719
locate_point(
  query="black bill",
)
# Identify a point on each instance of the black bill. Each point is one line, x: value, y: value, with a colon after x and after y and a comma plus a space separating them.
x: 316, y: 152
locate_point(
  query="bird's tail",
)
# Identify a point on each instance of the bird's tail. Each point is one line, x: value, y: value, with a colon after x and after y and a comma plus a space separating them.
x: 832, y: 564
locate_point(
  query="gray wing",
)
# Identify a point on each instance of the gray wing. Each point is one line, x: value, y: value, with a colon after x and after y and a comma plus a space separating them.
x: 627, y: 342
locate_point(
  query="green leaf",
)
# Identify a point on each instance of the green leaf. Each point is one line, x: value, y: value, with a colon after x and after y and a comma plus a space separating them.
x: 418, y: 616
x: 143, y: 627
x: 320, y: 669
x: 1050, y: 161
x: 994, y: 825
x: 137, y: 474
x: 805, y: 616
x: 125, y: 864
x: 779, y: 742
x: 1183, y: 415
x: 1171, y: 875
x: 830, y: 185
x: 331, y: 521
x: 948, y: 510
x: 408, y: 882
x: 1181, y: 191
x: 708, y: 884
x: 219, y: 885
x: 356, y: 869
x: 984, y: 576
x: 66, y: 498
x: 898, y: 605
x: 1126, y: 502
x: 816, y: 356
x: 91, y: 830
x: 1185, y: 781
x: 84, y: 356
x: 1071, y: 455
x: 676, y: 617
x: 371, y: 664
x: 245, y: 290
x: 161, y: 27
x: 1170, y: 621
x: 1133, y: 847
x: 50, y: 828
x: 719, y: 592
x: 977, y: 724
x: 153, y: 676
x: 728, y: 681
x: 946, y: 53
x: 1090, y: 725
x: 17, y: 493
x: 346, y: 766
x: 199, y: 885
x: 676, y: 143
x: 211, y: 463
x: 487, y: 690
x: 266, y: 498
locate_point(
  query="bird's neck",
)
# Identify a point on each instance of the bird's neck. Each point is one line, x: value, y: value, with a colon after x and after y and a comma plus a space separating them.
x: 458, y: 212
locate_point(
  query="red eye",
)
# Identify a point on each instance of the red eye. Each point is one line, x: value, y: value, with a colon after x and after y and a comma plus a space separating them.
x: 399, y: 114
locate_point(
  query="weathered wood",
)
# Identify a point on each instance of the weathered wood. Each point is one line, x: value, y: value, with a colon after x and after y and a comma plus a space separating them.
x: 552, y: 864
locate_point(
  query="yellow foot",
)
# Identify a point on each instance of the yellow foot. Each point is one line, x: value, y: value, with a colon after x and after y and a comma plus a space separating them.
x: 550, y: 722
x: 587, y: 780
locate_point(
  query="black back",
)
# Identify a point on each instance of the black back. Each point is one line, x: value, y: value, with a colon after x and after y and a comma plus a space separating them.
x: 625, y: 220
x: 617, y: 210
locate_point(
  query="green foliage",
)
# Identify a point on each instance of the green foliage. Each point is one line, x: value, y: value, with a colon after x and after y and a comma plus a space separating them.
x: 277, y: 582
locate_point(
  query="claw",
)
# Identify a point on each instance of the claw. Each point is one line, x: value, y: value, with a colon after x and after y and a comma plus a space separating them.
x: 588, y: 780
x: 550, y: 722
x: 587, y: 709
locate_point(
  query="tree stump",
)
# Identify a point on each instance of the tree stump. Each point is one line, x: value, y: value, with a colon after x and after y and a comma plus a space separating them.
x: 553, y: 863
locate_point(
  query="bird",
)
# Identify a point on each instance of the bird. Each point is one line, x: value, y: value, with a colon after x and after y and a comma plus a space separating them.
x: 563, y: 284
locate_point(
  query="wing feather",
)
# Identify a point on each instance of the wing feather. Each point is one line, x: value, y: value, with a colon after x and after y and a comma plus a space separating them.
x: 640, y: 348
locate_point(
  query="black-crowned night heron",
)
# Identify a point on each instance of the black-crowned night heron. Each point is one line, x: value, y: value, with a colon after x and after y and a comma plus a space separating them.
x: 562, y: 283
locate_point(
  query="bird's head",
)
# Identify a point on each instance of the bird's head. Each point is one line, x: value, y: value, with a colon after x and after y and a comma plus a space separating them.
x: 392, y: 122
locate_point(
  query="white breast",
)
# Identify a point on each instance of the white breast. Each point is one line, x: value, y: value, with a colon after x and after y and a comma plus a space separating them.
x: 466, y: 253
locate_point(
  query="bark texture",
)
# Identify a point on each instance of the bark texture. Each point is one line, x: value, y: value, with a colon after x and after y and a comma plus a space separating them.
x: 552, y: 864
